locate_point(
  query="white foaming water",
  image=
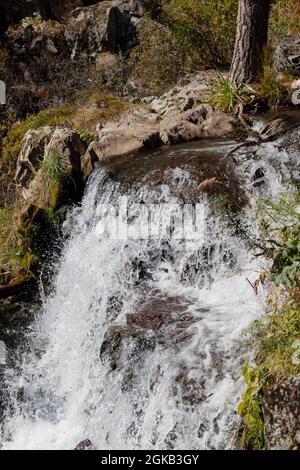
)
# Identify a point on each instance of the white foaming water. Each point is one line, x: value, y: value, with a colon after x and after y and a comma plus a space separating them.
x: 92, y: 373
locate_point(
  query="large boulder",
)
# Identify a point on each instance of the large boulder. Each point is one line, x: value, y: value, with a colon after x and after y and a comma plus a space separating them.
x: 201, y: 122
x: 135, y: 131
x: 65, y: 147
x: 106, y: 26
x: 13, y: 11
x: 287, y: 56
x: 281, y: 409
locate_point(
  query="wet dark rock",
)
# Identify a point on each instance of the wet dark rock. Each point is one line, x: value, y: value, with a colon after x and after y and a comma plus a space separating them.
x: 10, y: 312
x: 281, y: 410
x: 191, y: 390
x: 85, y: 445
x: 121, y: 341
x: 258, y: 177
x: 158, y: 312
x: 203, y: 427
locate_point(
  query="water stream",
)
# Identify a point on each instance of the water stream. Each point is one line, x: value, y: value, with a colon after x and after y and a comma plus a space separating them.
x: 139, y: 344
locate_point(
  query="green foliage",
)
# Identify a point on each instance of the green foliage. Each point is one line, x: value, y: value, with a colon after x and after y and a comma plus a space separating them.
x: 8, y: 243
x: 205, y: 24
x: 285, y: 18
x: 153, y: 7
x: 270, y: 88
x: 226, y: 95
x: 53, y: 175
x: 275, y: 339
x: 253, y: 430
x: 190, y: 37
x: 159, y: 60
x: 12, y: 143
x: 280, y: 224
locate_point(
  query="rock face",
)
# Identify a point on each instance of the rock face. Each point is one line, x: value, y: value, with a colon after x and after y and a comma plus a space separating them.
x: 175, y: 118
x: 13, y: 11
x: 40, y: 144
x: 281, y: 409
x: 105, y: 27
x: 287, y: 56
x: 202, y: 121
x: 85, y: 445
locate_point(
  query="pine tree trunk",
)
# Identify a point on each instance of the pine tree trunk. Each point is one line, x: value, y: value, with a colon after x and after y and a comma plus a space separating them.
x: 251, y: 39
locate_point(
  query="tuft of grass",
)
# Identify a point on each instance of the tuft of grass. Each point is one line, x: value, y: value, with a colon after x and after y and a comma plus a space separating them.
x: 226, y: 95
x: 9, y: 263
x: 13, y: 141
x: 52, y: 176
x: 270, y: 88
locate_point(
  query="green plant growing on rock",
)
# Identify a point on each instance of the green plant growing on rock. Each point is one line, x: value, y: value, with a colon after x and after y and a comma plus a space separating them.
x: 275, y: 339
x: 53, y: 175
x: 226, y: 95
x: 281, y: 221
x: 9, y: 264
x: 253, y: 430
x: 270, y: 88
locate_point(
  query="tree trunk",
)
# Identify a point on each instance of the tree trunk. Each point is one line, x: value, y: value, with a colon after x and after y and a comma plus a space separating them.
x: 251, y: 40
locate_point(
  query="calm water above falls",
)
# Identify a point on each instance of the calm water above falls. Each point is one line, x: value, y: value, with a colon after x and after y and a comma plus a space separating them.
x: 139, y: 344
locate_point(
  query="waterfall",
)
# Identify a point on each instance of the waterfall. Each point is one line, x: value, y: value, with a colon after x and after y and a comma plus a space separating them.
x: 139, y: 345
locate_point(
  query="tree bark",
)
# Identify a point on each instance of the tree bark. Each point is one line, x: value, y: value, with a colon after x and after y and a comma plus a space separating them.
x: 251, y: 40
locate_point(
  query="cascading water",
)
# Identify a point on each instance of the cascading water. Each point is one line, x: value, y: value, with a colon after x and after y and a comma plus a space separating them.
x: 139, y: 343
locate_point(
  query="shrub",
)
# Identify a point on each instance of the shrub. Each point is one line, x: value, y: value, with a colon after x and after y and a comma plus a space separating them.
x: 52, y: 175
x: 275, y: 339
x: 270, y: 88
x: 202, y: 25
x: 158, y: 61
x: 8, y: 244
x: 281, y: 229
x: 285, y: 18
x: 226, y: 95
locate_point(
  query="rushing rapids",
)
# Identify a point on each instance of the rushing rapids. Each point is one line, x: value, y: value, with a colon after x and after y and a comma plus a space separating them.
x: 139, y: 344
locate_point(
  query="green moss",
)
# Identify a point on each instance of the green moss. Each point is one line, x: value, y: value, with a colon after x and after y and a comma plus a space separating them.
x: 12, y: 143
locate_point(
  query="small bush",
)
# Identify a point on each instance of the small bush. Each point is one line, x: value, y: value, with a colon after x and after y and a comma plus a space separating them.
x: 285, y: 18
x: 270, y: 88
x: 53, y: 175
x: 202, y: 25
x: 280, y: 224
x: 226, y: 95
x: 275, y: 339
x: 253, y: 429
x: 158, y: 61
x: 9, y: 264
